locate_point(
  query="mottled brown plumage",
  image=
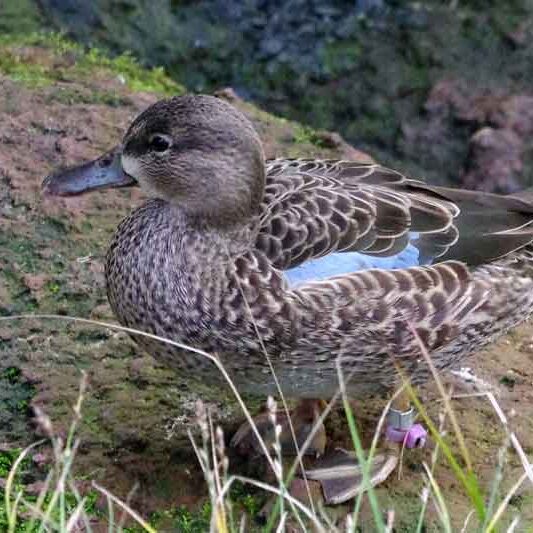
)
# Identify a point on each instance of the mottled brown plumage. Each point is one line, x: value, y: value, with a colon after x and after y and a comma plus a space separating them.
x: 205, y: 261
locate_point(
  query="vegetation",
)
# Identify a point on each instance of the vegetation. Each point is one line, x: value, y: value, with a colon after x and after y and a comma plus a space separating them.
x: 78, y: 64
x: 59, y: 505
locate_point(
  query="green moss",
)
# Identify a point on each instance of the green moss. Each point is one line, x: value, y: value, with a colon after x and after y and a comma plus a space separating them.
x: 12, y: 65
x: 53, y: 287
x: 307, y: 135
x: 244, y: 499
x: 79, y: 64
x: 181, y: 520
x: 15, y: 396
x: 20, y: 250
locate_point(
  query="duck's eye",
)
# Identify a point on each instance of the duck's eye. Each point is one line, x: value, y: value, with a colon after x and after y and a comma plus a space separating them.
x: 159, y: 143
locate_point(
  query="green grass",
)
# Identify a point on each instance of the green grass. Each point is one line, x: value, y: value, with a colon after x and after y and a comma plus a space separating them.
x: 60, y: 501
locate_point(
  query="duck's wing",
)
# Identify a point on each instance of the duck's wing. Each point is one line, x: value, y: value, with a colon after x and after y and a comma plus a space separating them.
x: 362, y: 316
x: 314, y: 209
x: 376, y: 305
x: 489, y: 226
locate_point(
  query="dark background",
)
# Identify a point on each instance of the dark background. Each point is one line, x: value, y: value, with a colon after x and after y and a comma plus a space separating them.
x: 440, y: 89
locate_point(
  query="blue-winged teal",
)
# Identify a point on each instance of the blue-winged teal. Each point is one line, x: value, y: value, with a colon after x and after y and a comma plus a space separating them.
x: 311, y: 260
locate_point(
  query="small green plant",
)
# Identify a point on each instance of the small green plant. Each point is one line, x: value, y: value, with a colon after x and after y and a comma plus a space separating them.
x: 189, y: 522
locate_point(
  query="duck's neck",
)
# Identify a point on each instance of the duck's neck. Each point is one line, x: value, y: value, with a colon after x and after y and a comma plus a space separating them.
x: 160, y: 239
x: 204, y: 249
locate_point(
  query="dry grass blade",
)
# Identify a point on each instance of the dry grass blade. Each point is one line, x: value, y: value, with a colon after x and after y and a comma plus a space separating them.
x: 501, y: 509
x: 300, y: 506
x: 299, y: 457
x: 427, y: 488
x: 125, y: 508
x: 513, y: 524
x: 467, y: 520
x: 282, y: 522
x: 389, y: 527
x: 516, y: 444
x: 440, y: 503
x: 75, y: 517
x: 46, y: 524
x: 41, y: 499
x: 449, y: 410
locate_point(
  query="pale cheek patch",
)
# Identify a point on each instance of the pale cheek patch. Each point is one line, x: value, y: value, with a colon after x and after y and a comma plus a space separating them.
x: 131, y: 166
x: 135, y: 169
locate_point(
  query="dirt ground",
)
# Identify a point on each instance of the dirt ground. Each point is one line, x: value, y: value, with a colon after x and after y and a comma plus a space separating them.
x: 136, y: 413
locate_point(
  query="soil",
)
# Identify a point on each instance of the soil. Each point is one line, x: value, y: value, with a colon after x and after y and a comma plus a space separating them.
x: 136, y: 413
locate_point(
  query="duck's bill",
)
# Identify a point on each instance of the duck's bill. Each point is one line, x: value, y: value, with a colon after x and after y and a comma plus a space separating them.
x: 102, y: 173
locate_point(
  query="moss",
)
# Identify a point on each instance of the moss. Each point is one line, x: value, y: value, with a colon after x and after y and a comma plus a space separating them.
x: 15, y: 396
x: 307, y: 135
x: 184, y: 520
x: 77, y: 63
x: 12, y: 65
x: 19, y: 249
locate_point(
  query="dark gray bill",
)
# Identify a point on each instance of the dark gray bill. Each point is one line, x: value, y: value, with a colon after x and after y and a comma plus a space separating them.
x: 102, y: 173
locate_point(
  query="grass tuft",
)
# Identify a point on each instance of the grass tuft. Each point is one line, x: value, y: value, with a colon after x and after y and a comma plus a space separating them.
x: 61, y: 508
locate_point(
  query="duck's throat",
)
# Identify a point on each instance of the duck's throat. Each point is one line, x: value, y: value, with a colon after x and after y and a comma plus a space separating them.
x: 161, y: 271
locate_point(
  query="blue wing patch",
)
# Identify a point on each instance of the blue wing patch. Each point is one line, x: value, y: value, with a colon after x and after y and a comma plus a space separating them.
x: 340, y: 263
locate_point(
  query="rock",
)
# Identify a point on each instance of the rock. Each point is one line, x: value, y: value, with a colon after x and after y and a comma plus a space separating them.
x: 503, y: 128
x: 514, y: 113
x: 334, y: 140
x: 452, y: 97
x: 35, y: 282
x: 494, y: 161
x: 227, y: 93
x: 298, y: 489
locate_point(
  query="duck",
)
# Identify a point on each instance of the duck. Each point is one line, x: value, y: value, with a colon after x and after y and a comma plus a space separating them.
x: 299, y: 265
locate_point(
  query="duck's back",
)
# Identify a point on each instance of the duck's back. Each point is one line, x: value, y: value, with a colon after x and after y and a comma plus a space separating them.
x: 455, y: 266
x: 323, y: 218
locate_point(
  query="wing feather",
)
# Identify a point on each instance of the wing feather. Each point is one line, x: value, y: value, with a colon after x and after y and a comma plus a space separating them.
x: 313, y: 208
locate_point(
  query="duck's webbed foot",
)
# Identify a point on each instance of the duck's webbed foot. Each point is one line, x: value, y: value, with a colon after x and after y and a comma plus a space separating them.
x: 304, y: 417
x: 338, y: 471
x: 341, y: 475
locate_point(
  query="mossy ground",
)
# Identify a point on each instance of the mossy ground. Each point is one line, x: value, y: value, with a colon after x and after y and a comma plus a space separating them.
x: 136, y: 413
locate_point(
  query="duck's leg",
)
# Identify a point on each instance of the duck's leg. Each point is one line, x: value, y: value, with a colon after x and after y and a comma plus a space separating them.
x: 341, y: 475
x: 338, y: 471
x: 304, y: 417
x: 401, y: 427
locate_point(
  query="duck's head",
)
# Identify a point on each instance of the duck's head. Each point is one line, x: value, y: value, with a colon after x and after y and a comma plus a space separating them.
x: 197, y: 152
